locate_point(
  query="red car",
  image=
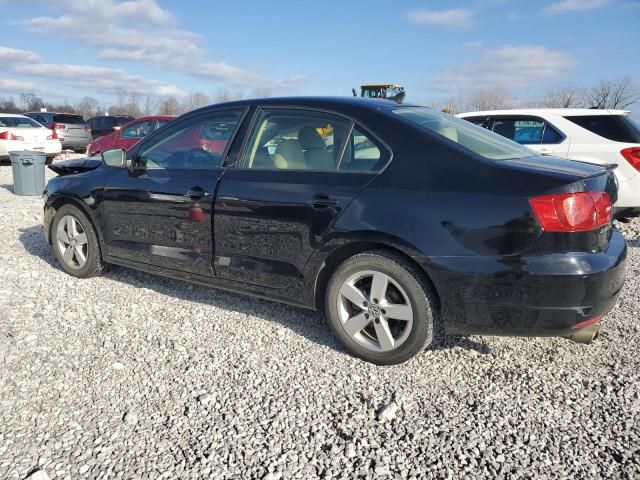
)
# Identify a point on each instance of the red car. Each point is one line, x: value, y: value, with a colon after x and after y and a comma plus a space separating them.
x: 128, y: 134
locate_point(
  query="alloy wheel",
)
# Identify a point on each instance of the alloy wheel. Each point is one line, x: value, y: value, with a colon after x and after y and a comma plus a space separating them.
x: 72, y: 242
x: 375, y: 311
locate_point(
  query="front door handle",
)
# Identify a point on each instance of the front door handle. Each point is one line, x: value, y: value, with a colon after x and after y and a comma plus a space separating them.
x: 322, y: 200
x: 196, y: 193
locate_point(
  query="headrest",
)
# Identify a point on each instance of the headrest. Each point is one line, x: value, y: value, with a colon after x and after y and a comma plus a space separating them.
x: 310, y: 139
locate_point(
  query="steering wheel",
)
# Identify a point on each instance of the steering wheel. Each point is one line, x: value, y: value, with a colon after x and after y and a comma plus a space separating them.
x: 198, y: 158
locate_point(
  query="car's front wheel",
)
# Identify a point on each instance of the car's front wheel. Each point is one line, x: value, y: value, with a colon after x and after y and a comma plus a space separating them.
x: 381, y: 307
x: 75, y: 243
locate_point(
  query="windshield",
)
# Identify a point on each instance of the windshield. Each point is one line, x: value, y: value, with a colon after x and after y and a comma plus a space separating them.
x: 477, y: 139
x: 18, y: 122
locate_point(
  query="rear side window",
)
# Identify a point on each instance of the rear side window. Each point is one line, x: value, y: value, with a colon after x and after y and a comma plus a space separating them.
x: 18, y: 122
x: 617, y: 128
x: 476, y: 139
x: 363, y: 154
x: 526, y: 130
x: 66, y: 118
x: 295, y: 140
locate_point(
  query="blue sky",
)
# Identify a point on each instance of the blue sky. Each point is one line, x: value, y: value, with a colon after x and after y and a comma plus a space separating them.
x: 437, y: 49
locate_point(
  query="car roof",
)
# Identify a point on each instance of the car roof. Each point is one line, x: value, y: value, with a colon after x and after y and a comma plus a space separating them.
x: 315, y: 102
x: 572, y: 112
x: 14, y: 115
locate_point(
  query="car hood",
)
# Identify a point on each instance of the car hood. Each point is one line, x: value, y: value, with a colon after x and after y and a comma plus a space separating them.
x: 76, y: 165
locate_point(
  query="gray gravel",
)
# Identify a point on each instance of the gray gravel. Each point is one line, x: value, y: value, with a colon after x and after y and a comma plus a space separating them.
x: 134, y: 376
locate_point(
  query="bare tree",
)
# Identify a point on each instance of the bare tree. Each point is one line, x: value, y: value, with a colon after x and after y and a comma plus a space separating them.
x: 170, y: 106
x: 615, y: 94
x: 196, y: 100
x: 8, y: 105
x: 148, y: 106
x: 88, y: 107
x: 563, y: 97
x: 31, y: 101
x: 489, y: 99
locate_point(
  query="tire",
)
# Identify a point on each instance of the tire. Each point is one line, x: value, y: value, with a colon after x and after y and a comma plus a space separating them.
x: 88, y: 251
x: 384, y: 340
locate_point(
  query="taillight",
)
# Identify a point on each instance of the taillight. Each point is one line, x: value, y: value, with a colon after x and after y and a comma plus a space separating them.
x: 58, y: 126
x: 632, y: 155
x: 10, y: 136
x: 573, y: 212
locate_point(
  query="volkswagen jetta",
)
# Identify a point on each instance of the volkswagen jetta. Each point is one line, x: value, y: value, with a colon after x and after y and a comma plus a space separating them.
x: 403, y: 223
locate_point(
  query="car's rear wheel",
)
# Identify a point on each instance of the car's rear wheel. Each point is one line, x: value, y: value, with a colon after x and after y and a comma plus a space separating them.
x: 381, y: 307
x: 75, y: 243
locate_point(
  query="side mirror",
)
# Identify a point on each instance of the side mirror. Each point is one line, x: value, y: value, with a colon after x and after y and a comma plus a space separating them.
x: 114, y: 157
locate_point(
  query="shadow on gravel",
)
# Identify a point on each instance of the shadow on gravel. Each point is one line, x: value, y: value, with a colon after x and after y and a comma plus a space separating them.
x: 303, y: 322
x: 8, y: 187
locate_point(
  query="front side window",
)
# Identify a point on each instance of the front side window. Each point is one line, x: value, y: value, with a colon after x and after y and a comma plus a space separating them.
x: 618, y: 128
x: 295, y: 140
x: 199, y: 144
x: 137, y: 130
x: 480, y: 141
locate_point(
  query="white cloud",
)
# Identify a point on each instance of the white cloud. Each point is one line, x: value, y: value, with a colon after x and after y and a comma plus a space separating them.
x: 564, y: 6
x: 11, y: 85
x: 97, y: 78
x: 143, y: 32
x: 9, y: 56
x: 510, y: 66
x: 455, y: 17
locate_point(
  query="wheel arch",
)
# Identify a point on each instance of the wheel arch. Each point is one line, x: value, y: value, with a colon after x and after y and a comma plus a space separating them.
x: 54, y: 204
x: 356, y: 246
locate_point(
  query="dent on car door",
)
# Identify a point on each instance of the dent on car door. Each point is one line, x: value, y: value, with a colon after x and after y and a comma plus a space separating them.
x: 275, y: 208
x: 158, y: 211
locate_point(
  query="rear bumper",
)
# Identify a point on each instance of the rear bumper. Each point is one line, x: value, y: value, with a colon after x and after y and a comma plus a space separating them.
x: 543, y: 295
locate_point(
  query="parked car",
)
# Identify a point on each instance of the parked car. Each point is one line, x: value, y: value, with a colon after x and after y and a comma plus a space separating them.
x: 70, y: 128
x: 597, y: 136
x: 18, y: 133
x: 105, y: 124
x: 436, y: 225
x: 128, y: 134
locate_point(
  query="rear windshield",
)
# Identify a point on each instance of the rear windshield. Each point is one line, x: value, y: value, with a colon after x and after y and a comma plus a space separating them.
x: 18, y: 122
x: 618, y: 128
x: 477, y: 139
x: 68, y: 118
x: 121, y: 120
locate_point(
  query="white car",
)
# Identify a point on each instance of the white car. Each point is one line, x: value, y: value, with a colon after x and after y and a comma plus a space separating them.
x: 18, y: 133
x: 596, y: 136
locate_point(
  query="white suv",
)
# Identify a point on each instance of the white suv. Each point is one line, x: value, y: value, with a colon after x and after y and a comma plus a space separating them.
x: 596, y: 136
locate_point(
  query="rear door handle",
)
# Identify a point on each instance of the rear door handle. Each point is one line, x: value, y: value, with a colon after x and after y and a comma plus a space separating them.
x: 322, y: 200
x: 196, y: 193
x: 545, y: 151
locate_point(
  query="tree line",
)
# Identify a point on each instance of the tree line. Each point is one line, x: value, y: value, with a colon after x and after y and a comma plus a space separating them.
x: 127, y: 102
x: 618, y: 93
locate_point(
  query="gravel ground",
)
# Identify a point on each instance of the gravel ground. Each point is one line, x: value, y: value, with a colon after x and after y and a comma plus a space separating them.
x: 134, y: 376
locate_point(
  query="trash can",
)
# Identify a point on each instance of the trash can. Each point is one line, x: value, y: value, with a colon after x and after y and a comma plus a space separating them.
x: 28, y: 172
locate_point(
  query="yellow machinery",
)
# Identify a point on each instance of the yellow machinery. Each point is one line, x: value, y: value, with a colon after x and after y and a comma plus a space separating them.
x: 389, y: 91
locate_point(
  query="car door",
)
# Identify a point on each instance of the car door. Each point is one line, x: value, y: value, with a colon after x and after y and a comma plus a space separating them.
x: 533, y: 132
x: 158, y: 211
x: 276, y: 205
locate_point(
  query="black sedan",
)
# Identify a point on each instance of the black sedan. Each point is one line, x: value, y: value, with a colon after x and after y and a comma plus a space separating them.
x: 403, y: 223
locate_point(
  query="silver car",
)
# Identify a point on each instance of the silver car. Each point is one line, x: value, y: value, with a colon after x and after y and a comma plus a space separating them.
x: 73, y: 131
